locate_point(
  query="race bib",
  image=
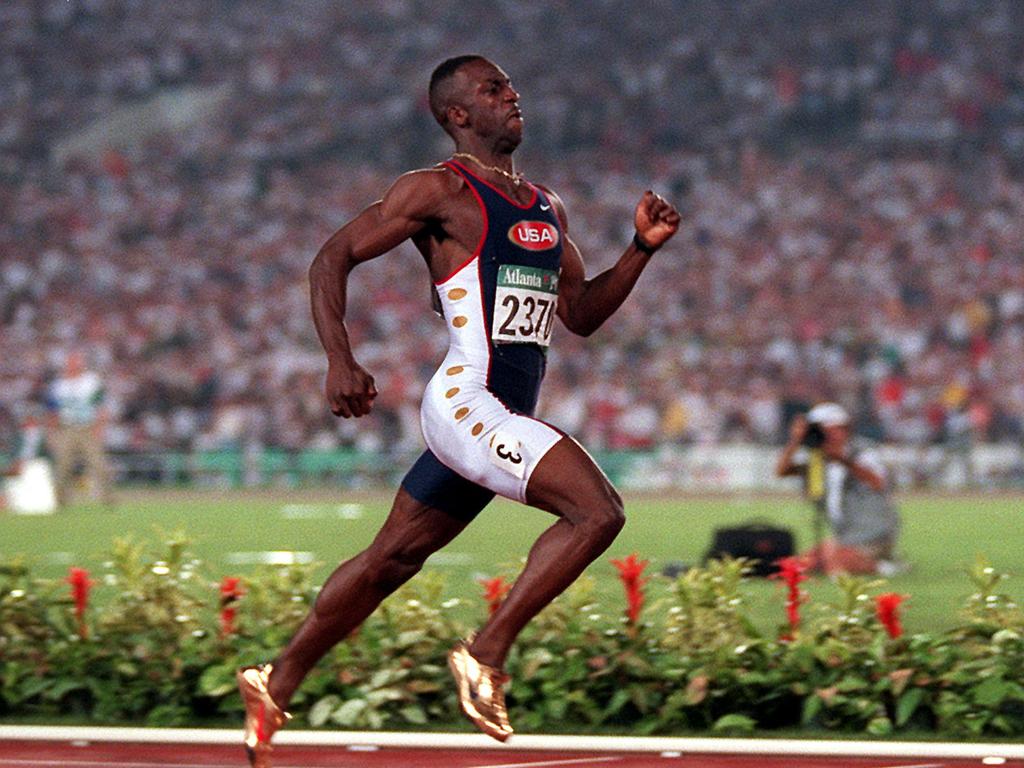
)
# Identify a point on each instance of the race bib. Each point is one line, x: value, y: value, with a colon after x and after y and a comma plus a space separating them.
x: 506, y: 453
x: 524, y: 305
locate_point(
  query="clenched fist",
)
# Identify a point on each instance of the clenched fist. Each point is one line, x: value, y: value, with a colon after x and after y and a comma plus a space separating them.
x: 656, y: 220
x: 349, y: 388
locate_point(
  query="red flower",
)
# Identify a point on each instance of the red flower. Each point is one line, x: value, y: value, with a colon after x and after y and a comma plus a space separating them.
x: 80, y: 583
x: 230, y: 593
x: 494, y: 592
x: 792, y: 571
x: 630, y: 571
x: 888, y: 610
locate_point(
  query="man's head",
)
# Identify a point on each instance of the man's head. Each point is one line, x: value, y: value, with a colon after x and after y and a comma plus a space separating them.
x: 74, y: 363
x: 472, y: 94
x: 833, y: 420
x: 443, y: 88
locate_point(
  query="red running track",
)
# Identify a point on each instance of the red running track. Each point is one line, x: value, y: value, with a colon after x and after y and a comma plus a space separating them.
x: 56, y: 754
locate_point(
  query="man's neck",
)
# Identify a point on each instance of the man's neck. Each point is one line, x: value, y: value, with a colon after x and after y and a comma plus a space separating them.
x: 487, y: 156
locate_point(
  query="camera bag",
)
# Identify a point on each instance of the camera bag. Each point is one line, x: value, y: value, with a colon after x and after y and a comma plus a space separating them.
x: 757, y: 541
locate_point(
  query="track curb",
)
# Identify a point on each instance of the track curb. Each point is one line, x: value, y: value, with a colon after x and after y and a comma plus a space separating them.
x: 684, y: 745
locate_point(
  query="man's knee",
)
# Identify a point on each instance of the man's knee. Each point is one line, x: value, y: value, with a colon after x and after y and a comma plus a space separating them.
x: 605, y: 517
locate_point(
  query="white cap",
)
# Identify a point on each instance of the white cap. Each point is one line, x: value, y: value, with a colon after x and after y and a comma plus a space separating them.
x: 828, y: 415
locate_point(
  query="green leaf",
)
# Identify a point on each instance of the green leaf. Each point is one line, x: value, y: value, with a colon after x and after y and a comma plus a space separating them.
x: 33, y: 686
x: 618, y: 701
x: 126, y: 669
x: 535, y: 659
x: 350, y: 712
x: 880, y: 726
x: 812, y: 706
x: 411, y: 637
x: 320, y: 712
x: 851, y: 683
x: 385, y: 677
x: 734, y: 723
x: 414, y: 714
x: 384, y: 695
x: 556, y: 707
x: 1002, y: 725
x: 907, y: 705
x: 217, y: 681
x: 62, y: 688
x: 990, y: 692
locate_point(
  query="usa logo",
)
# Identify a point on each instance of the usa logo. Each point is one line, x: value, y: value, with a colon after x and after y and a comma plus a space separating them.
x: 534, y: 235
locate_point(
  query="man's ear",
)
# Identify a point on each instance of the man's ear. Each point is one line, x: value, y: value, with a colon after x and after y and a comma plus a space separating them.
x: 458, y: 116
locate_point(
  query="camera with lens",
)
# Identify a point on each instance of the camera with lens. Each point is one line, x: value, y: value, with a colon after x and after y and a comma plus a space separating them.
x: 814, y: 437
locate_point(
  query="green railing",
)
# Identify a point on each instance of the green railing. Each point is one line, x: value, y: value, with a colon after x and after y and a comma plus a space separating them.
x: 725, y: 467
x: 346, y: 467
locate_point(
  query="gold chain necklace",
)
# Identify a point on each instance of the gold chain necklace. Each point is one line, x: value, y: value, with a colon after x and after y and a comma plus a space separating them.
x: 515, y: 178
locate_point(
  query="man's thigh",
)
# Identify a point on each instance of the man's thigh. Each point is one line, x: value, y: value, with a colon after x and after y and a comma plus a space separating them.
x: 568, y: 482
x: 436, y: 486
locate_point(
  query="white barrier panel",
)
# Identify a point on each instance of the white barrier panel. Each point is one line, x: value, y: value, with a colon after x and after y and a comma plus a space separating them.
x: 31, y: 491
x: 745, y: 467
x: 705, y: 468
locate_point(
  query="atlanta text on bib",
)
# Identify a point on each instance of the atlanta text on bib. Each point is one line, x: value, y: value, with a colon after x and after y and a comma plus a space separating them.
x: 524, y: 305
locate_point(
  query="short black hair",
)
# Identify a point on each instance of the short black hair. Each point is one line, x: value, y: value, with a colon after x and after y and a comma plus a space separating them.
x: 441, y: 76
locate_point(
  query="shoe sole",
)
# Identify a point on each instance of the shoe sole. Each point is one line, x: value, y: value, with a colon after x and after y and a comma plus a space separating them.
x: 483, y: 726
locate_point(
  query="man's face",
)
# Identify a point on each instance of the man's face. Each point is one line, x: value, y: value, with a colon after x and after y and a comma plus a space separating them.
x: 836, y: 436
x: 492, y: 104
x: 75, y: 364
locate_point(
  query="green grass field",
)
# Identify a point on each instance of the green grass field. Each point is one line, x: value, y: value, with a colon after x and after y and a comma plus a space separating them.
x: 942, y: 536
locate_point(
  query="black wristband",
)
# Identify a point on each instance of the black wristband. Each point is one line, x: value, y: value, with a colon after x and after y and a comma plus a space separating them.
x: 641, y: 246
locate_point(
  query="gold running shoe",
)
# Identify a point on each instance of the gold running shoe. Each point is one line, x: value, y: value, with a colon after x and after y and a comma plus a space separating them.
x: 480, y: 692
x: 262, y: 716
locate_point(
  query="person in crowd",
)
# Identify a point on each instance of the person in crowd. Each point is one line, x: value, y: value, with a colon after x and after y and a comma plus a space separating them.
x: 78, y: 419
x: 847, y: 483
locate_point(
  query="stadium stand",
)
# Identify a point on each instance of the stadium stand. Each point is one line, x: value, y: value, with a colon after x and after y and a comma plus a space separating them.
x: 854, y: 211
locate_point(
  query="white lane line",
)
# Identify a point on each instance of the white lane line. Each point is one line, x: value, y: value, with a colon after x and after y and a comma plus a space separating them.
x: 277, y: 557
x: 879, y: 750
x: 575, y: 761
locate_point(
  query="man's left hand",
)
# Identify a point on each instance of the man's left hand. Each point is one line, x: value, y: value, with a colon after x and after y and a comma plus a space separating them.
x: 656, y: 220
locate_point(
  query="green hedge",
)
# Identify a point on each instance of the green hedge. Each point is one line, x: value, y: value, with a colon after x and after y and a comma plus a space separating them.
x: 153, y: 651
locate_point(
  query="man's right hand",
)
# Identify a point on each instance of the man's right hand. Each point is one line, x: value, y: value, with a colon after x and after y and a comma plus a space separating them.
x: 350, y: 389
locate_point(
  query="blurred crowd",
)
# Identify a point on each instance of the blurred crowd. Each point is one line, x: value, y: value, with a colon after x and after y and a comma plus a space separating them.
x: 851, y: 177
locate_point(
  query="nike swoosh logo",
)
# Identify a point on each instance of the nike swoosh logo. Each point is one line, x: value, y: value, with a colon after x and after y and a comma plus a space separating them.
x: 545, y: 207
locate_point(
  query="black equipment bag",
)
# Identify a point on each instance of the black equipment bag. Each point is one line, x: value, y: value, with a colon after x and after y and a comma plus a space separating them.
x: 761, y: 543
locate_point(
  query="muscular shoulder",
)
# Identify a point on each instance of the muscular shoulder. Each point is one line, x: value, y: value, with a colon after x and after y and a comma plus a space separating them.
x: 421, y: 194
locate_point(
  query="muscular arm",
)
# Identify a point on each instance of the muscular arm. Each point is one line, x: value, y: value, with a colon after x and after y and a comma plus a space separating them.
x: 785, y: 466
x: 403, y: 211
x: 863, y: 472
x: 584, y: 305
x: 866, y: 470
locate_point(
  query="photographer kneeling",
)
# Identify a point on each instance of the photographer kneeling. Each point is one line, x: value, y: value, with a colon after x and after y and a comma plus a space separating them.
x: 847, y: 485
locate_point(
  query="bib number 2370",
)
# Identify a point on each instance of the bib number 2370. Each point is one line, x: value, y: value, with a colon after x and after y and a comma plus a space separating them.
x: 524, y: 305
